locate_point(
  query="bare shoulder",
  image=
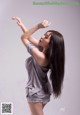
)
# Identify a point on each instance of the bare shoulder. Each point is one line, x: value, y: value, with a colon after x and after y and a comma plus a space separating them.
x: 39, y: 56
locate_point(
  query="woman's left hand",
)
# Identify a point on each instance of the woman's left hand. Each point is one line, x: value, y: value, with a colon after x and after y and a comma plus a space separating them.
x: 44, y: 24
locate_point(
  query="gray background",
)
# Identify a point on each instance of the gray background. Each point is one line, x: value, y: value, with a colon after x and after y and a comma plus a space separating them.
x: 13, y: 75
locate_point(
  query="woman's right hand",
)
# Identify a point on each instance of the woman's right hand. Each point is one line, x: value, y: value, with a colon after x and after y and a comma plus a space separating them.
x: 18, y: 21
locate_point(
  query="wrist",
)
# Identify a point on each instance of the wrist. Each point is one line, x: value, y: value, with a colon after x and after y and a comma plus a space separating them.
x: 40, y: 26
x: 37, y: 27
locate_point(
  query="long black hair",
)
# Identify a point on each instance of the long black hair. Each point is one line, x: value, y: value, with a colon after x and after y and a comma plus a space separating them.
x: 56, y: 57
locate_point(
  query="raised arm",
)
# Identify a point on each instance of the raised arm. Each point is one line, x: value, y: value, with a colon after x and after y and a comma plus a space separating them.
x: 27, y: 37
x: 27, y: 34
x: 24, y: 29
x: 20, y: 24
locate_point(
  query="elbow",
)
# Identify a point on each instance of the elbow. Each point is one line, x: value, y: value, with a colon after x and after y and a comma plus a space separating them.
x: 22, y: 37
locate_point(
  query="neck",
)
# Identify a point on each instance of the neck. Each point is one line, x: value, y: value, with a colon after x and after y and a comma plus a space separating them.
x: 44, y: 50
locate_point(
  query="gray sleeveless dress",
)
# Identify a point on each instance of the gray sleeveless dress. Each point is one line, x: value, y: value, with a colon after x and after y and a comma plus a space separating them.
x: 34, y: 90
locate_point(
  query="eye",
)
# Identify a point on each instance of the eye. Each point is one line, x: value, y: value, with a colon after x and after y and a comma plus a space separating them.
x: 46, y: 37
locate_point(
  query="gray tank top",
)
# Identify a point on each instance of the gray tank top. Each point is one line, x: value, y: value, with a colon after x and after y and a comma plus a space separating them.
x: 35, y: 74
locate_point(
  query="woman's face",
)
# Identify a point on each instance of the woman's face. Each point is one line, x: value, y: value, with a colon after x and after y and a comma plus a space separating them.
x: 45, y: 40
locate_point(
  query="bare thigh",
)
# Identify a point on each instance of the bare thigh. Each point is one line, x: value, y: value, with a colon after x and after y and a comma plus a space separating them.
x: 36, y: 108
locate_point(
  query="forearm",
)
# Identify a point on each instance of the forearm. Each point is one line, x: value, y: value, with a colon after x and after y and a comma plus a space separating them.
x: 24, y: 29
x: 29, y: 32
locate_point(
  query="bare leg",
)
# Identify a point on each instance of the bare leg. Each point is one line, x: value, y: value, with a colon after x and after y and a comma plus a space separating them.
x: 36, y: 108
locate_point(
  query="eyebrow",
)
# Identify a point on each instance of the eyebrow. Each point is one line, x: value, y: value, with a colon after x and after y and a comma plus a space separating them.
x: 47, y: 35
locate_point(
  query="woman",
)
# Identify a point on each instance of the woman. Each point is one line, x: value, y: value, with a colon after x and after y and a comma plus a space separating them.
x: 46, y: 54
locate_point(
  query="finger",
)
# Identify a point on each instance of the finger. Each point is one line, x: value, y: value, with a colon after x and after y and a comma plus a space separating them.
x: 45, y: 20
x: 13, y: 18
x: 18, y: 23
x: 18, y: 19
